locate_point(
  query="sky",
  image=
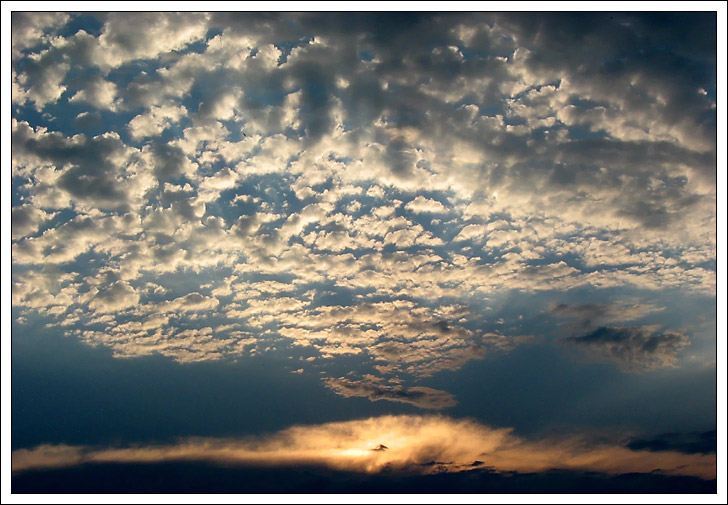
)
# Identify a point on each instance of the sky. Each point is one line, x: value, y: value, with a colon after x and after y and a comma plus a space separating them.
x: 466, y: 252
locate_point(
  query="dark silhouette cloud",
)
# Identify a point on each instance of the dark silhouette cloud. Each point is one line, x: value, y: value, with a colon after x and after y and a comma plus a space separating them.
x: 690, y: 443
x: 208, y: 478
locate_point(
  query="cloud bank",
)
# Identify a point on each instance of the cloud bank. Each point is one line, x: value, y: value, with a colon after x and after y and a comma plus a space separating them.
x: 414, y: 444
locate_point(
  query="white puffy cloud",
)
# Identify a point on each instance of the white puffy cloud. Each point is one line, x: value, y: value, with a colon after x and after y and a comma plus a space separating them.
x: 422, y: 205
x: 99, y: 93
x: 155, y: 121
x: 42, y: 80
x: 129, y: 36
x: 30, y: 29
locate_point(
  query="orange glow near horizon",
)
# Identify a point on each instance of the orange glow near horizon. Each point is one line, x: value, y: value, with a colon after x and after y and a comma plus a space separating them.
x: 416, y: 444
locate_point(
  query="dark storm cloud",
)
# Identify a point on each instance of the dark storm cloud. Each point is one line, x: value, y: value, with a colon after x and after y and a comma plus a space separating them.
x: 633, y: 348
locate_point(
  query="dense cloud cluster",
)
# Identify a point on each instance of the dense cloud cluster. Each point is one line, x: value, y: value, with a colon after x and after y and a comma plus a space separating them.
x: 208, y: 185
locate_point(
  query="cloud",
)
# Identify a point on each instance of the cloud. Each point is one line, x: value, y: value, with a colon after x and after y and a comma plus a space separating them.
x: 400, y: 334
x: 633, y: 348
x: 29, y: 29
x: 422, y: 397
x: 189, y: 302
x: 688, y: 443
x: 26, y: 219
x: 169, y: 162
x: 422, y: 205
x: 42, y: 80
x: 117, y: 296
x: 91, y: 170
x: 155, y: 121
x: 588, y: 316
x: 129, y: 36
x: 87, y: 121
x: 97, y: 92
x: 413, y: 443
x: 396, y: 173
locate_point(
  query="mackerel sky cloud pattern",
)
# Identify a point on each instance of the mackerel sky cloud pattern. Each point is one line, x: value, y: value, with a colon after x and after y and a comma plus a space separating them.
x: 384, y: 199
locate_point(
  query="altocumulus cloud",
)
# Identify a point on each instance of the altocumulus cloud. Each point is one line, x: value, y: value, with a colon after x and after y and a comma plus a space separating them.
x: 361, y: 185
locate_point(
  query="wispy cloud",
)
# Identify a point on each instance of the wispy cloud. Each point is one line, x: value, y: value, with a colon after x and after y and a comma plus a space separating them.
x: 412, y: 444
x: 374, y: 390
x: 634, y: 348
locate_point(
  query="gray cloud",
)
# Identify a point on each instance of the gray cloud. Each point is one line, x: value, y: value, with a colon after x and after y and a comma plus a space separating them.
x: 97, y: 92
x: 422, y: 397
x: 26, y: 219
x: 588, y: 316
x: 43, y: 78
x: 29, y: 28
x: 689, y: 443
x: 133, y: 35
x: 117, y: 296
x: 633, y: 348
x: 170, y: 161
x: 92, y: 169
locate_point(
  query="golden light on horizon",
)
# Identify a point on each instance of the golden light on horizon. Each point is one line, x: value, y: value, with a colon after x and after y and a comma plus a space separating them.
x: 414, y: 444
